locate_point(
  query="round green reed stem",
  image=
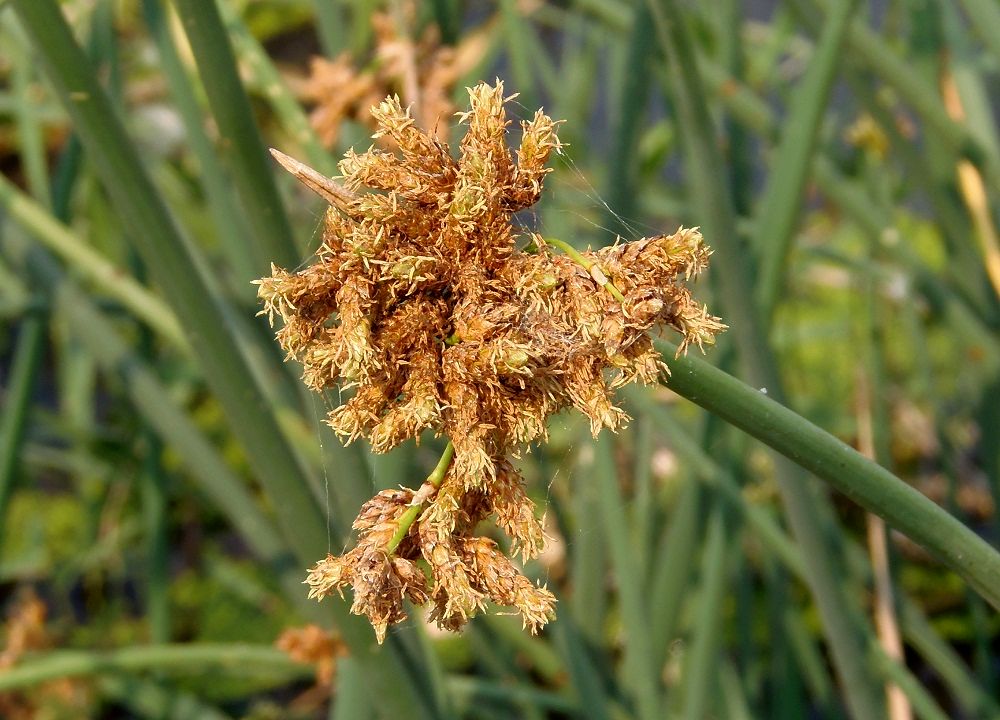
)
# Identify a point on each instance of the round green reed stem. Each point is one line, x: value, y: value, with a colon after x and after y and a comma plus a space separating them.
x: 870, y: 485
x: 435, y: 478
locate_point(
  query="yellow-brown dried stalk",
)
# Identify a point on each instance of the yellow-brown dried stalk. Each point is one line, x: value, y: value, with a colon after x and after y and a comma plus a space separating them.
x: 420, y: 300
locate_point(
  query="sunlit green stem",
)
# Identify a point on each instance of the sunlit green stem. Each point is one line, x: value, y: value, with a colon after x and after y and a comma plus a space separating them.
x: 435, y: 478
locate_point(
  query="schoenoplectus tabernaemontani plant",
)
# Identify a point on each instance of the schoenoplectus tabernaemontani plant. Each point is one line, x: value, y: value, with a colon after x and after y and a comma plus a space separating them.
x: 423, y: 300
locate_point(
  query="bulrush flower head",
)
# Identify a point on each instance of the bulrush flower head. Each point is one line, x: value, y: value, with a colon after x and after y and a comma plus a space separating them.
x: 420, y: 300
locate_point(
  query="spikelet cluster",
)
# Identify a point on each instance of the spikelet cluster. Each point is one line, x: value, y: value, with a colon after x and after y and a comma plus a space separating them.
x: 420, y: 300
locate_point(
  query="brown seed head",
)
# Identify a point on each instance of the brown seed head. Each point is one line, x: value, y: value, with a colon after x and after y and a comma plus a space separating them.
x: 420, y: 300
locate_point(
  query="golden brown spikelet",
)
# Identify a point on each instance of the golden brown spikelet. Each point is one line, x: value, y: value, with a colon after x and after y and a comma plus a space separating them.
x: 314, y: 645
x: 420, y: 300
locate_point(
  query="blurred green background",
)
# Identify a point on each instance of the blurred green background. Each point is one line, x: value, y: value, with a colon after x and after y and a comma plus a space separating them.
x: 165, y: 481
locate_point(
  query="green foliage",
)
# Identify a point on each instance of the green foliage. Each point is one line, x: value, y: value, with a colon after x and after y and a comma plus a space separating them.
x: 165, y: 481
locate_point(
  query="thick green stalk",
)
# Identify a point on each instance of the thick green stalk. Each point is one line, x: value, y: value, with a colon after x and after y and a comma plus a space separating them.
x: 435, y: 478
x: 778, y: 210
x: 188, y: 658
x: 641, y: 675
x: 330, y: 26
x: 271, y: 238
x: 265, y: 76
x: 111, y: 279
x: 702, y: 658
x: 633, y: 96
x: 17, y: 400
x: 230, y: 225
x: 869, y: 485
x: 182, y: 276
x: 715, y: 212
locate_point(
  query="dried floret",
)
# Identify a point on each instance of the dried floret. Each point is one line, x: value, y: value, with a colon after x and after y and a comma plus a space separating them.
x: 314, y: 645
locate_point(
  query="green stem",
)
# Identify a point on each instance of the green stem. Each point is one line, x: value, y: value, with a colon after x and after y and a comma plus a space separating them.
x: 242, y: 146
x: 17, y: 400
x: 640, y: 675
x: 984, y: 16
x: 269, y: 81
x: 142, y: 697
x: 97, y: 334
x: 471, y: 692
x: 779, y: 208
x: 353, y: 702
x: 25, y: 111
x: 590, y: 266
x: 865, y: 46
x: 870, y: 485
x: 230, y: 224
x: 946, y: 662
x: 703, y: 654
x: 110, y: 278
x: 713, y: 204
x: 238, y: 658
x: 924, y: 704
x: 330, y: 26
x: 435, y: 478
x: 179, y: 270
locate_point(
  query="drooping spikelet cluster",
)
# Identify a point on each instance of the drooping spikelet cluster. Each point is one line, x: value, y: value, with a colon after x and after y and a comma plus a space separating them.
x: 420, y: 300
